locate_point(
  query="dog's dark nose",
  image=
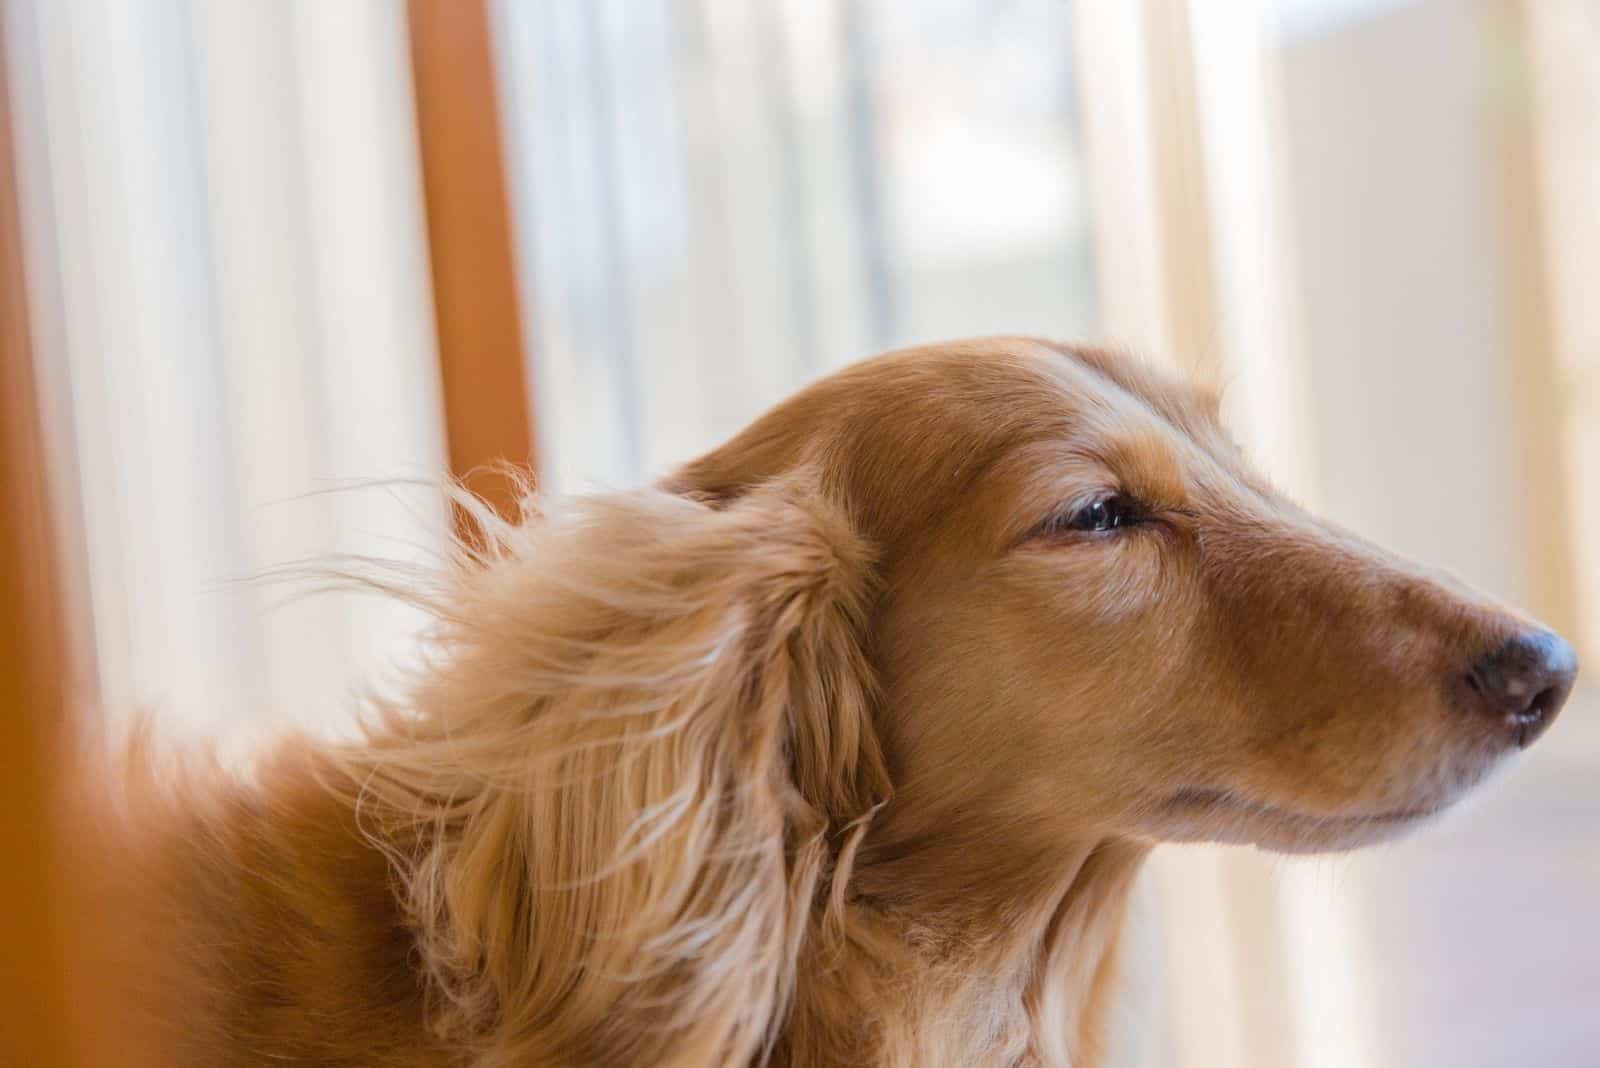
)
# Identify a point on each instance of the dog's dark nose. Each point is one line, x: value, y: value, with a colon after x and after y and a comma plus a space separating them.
x: 1524, y: 683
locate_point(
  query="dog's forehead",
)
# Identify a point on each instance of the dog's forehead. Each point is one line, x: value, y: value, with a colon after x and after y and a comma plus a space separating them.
x: 1167, y: 421
x: 1000, y: 390
x: 915, y: 426
x: 986, y: 434
x: 936, y: 419
x: 1108, y: 373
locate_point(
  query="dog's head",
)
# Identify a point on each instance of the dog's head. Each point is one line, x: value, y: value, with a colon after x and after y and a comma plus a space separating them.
x: 1097, y: 619
x: 948, y: 619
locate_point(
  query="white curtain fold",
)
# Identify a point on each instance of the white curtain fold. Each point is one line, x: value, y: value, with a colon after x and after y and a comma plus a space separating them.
x: 230, y: 261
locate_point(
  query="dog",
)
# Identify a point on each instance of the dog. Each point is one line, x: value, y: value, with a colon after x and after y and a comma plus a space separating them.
x: 840, y: 745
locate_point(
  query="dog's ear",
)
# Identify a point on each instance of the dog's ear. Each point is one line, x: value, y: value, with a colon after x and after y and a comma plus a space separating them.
x: 641, y: 765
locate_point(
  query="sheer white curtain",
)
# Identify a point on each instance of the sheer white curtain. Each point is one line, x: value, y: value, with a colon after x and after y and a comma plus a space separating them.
x: 720, y: 200
x: 229, y: 270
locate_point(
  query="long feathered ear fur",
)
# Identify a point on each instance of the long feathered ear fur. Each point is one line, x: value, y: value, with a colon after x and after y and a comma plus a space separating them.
x: 630, y: 783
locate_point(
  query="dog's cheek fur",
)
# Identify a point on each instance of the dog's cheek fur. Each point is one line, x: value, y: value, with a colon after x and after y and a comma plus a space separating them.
x: 1040, y: 691
x: 646, y: 755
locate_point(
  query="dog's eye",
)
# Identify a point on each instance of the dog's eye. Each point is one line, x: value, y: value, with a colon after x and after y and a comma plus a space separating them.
x: 1103, y: 514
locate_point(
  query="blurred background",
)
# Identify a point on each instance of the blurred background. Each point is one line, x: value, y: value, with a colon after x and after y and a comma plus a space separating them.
x: 281, y: 262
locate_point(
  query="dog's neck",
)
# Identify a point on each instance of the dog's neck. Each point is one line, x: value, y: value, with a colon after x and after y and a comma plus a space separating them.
x: 966, y: 960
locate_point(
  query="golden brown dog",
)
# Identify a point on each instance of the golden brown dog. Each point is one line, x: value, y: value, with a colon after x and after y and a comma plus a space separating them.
x: 841, y: 746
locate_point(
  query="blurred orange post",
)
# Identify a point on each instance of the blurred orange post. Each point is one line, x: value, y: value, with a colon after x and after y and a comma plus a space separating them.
x: 483, y: 373
x: 34, y: 1026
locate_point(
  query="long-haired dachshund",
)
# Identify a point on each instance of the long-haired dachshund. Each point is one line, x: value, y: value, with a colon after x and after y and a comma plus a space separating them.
x: 841, y: 745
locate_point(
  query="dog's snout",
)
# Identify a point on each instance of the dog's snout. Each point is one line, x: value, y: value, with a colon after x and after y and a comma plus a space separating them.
x: 1523, y: 683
